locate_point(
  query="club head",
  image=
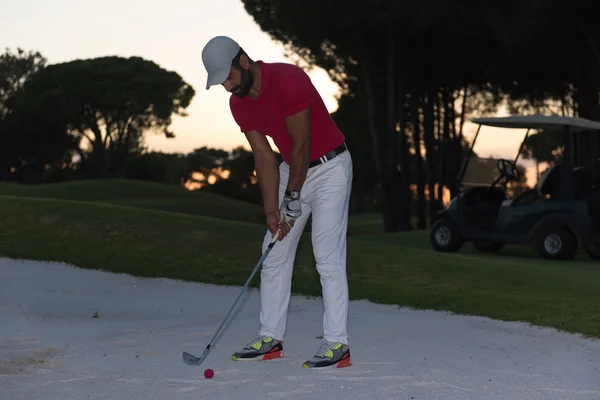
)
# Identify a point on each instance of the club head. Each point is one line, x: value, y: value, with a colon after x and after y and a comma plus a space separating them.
x: 190, y: 359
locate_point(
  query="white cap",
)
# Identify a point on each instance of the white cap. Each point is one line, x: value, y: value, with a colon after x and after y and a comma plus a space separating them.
x: 217, y: 56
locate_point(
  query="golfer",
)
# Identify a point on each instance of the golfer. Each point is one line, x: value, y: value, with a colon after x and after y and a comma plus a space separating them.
x: 279, y: 100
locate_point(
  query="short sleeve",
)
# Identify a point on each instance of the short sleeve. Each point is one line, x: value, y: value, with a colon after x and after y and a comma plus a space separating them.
x: 246, y: 118
x: 295, y: 93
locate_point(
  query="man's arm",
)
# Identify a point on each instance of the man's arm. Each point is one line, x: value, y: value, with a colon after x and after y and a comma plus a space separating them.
x: 267, y: 170
x: 298, y: 126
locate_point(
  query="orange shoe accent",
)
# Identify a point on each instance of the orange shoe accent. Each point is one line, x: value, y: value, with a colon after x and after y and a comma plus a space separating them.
x: 344, y: 363
x: 272, y: 355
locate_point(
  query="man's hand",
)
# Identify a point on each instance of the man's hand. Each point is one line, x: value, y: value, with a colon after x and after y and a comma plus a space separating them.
x: 283, y: 220
x: 276, y: 222
x: 290, y: 210
x: 273, y: 220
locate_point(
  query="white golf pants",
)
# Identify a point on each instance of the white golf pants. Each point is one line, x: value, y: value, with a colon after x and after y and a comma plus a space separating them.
x: 325, y: 194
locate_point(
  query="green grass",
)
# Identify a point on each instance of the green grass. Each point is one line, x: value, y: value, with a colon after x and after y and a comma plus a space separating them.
x: 149, y: 195
x: 128, y: 231
x: 144, y: 195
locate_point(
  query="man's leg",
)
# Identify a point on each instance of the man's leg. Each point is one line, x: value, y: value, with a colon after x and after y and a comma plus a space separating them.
x: 276, y: 278
x: 275, y: 286
x: 330, y: 221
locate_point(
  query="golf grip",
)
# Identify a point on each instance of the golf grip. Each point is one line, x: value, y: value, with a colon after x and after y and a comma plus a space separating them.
x: 267, y: 251
x: 275, y: 237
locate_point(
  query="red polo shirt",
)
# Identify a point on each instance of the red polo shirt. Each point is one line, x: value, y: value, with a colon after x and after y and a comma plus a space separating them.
x: 286, y: 90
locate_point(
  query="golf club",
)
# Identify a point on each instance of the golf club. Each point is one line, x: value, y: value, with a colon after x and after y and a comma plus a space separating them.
x: 193, y: 360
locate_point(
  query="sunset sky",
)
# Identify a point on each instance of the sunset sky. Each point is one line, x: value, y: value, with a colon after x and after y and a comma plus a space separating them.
x: 171, y: 34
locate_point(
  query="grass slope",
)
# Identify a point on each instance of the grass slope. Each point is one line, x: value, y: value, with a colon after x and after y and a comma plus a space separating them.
x: 156, y: 196
x: 142, y: 194
x: 394, y: 269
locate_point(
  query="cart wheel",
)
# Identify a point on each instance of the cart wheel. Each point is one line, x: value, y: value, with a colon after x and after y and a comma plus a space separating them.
x: 556, y: 242
x: 444, y: 237
x: 488, y: 246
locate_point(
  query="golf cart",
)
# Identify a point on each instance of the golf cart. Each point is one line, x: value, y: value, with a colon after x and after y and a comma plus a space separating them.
x: 558, y: 216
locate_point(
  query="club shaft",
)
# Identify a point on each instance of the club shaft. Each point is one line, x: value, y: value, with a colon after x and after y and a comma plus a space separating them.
x: 240, y: 295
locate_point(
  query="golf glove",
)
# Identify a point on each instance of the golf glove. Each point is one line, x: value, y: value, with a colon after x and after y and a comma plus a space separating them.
x: 290, y: 207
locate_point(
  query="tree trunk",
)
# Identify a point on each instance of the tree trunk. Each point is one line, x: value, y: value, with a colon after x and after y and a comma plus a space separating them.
x: 378, y: 153
x: 405, y: 161
x: 445, y: 145
x: 420, y: 175
x: 455, y: 154
x: 99, y: 159
x: 588, y: 101
x: 393, y: 178
x: 442, y: 118
x: 429, y: 140
x: 357, y: 199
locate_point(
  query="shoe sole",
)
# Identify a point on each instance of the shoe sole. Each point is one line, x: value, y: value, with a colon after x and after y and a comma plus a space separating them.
x: 264, y: 357
x: 340, y: 364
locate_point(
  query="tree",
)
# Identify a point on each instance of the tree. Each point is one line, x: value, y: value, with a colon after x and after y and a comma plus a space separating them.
x: 317, y: 34
x: 16, y: 148
x: 15, y: 69
x: 206, y: 165
x: 554, y: 62
x: 169, y: 168
x: 230, y: 174
x: 107, y: 105
x: 402, y: 85
x: 543, y: 147
x: 352, y: 120
x: 240, y: 164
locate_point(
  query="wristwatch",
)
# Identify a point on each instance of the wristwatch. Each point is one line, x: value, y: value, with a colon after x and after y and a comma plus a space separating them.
x: 292, y: 194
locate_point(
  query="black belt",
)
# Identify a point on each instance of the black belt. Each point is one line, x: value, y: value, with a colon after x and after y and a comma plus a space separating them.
x: 331, y: 154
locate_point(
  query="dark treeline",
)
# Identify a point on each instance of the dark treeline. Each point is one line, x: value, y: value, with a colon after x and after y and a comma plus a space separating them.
x: 416, y: 72
x: 411, y: 78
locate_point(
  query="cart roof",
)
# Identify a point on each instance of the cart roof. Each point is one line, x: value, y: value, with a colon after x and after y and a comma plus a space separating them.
x: 539, y: 122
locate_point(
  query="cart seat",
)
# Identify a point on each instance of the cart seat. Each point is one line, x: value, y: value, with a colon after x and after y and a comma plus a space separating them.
x: 549, y: 183
x: 582, y: 182
x: 526, y: 197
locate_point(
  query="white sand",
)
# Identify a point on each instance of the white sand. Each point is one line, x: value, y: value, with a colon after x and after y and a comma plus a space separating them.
x: 51, y: 347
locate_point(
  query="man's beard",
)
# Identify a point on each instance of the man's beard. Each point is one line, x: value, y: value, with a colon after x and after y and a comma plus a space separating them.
x: 245, y: 85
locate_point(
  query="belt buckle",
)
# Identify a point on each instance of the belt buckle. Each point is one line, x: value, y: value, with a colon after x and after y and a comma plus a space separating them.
x: 331, y: 154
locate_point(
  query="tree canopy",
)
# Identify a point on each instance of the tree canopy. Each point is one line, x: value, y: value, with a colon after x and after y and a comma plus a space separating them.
x: 423, y: 69
x: 105, y: 105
